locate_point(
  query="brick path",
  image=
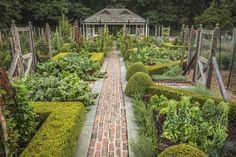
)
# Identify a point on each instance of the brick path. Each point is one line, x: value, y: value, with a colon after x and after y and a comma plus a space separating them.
x: 109, y: 135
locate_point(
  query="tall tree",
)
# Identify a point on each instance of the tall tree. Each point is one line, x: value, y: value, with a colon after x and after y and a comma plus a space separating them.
x: 222, y: 12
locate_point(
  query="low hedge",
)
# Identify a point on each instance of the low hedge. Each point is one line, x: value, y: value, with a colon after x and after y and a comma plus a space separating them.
x: 97, y: 57
x: 175, y: 93
x: 182, y: 150
x: 58, y: 135
x: 160, y: 68
x: 60, y: 55
x: 171, y: 46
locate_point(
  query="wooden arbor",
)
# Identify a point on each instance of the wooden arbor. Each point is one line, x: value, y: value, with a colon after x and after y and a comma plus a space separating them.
x: 203, y: 67
x: 22, y: 64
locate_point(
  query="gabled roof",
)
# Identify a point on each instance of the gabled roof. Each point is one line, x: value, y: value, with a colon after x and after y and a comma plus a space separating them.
x: 109, y: 15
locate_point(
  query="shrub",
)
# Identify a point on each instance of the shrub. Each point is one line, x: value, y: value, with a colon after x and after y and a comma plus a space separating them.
x: 134, y: 68
x: 161, y: 68
x: 59, y: 56
x: 137, y: 84
x: 182, y: 150
x: 97, y: 57
x: 58, y: 135
x: 128, y: 53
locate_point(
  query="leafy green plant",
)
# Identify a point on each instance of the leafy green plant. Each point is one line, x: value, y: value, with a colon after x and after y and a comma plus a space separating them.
x: 21, y: 120
x: 204, y: 126
x: 80, y: 64
x: 68, y: 88
x: 152, y: 55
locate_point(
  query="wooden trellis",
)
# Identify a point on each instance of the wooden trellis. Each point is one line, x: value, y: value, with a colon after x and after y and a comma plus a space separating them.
x: 22, y: 64
x: 203, y: 68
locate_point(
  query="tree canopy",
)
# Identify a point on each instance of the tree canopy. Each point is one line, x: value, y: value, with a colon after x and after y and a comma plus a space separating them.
x: 166, y: 12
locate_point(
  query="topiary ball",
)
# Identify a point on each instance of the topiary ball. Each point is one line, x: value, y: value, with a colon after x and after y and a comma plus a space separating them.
x: 182, y: 150
x: 134, y: 68
x: 137, y: 84
x: 128, y: 52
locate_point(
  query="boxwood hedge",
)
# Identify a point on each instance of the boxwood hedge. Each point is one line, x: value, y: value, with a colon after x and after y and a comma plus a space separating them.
x: 58, y: 135
x: 97, y: 57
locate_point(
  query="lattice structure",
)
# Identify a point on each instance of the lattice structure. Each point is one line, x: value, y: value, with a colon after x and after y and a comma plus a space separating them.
x: 22, y: 64
x: 204, y: 63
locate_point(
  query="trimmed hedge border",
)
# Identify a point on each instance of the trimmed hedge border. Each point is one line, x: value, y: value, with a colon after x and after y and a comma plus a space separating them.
x: 160, y: 68
x: 174, y: 93
x: 182, y: 150
x: 58, y: 135
x: 171, y: 46
x: 97, y: 57
x: 59, y: 56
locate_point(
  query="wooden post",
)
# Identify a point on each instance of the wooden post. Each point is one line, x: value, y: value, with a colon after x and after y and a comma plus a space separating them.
x: 186, y: 34
x: 32, y: 48
x: 191, y: 40
x: 212, y: 54
x: 48, y: 35
x: 198, y: 51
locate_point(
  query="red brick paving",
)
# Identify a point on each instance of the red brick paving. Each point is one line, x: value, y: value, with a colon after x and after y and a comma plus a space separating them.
x: 109, y: 135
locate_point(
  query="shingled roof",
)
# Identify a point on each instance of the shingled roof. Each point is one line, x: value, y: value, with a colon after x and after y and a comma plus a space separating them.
x: 115, y: 16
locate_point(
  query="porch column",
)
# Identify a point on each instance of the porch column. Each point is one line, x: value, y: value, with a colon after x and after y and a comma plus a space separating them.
x: 124, y: 29
x: 155, y: 31
x: 93, y: 32
x: 143, y: 30
x: 83, y: 30
x: 146, y: 29
x: 136, y: 31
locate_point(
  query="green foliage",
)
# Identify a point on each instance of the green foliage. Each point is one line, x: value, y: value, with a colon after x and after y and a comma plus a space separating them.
x: 97, y: 57
x: 161, y: 68
x: 5, y: 55
x: 102, y: 43
x: 128, y: 52
x: 201, y: 89
x: 137, y: 84
x: 58, y: 135
x: 143, y: 146
x: 80, y: 64
x: 186, y: 122
x: 65, y: 29
x: 174, y: 93
x: 146, y: 142
x: 134, y: 68
x: 182, y: 150
x: 68, y: 88
x: 216, y: 13
x: 152, y: 55
x: 21, y: 120
x: 42, y: 50
x: 225, y: 60
x: 173, y: 73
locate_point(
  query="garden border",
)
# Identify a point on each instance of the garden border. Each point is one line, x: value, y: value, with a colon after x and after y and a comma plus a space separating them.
x: 59, y: 133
